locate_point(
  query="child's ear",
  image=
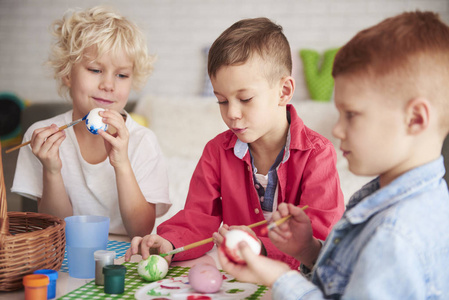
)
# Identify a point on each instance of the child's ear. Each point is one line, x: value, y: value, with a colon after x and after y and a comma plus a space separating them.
x: 66, y: 80
x: 287, y: 90
x: 417, y: 115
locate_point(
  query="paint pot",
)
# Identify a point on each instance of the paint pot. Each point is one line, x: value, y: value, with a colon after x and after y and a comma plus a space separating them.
x: 36, y: 286
x: 52, y: 276
x: 114, y: 279
x: 102, y: 258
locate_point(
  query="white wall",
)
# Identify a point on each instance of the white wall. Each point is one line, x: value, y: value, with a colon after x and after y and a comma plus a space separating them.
x: 178, y: 30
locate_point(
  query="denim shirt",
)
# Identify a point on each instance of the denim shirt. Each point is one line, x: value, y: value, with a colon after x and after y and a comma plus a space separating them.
x: 391, y: 243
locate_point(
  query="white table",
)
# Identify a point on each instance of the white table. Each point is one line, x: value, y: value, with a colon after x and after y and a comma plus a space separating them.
x: 65, y: 284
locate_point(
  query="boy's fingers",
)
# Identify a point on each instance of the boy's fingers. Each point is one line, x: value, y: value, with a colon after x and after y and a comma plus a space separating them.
x: 247, y: 254
x: 223, y: 230
x: 218, y: 238
x: 115, y: 122
x: 133, y: 248
x: 298, y: 213
x: 145, y: 246
x: 283, y: 209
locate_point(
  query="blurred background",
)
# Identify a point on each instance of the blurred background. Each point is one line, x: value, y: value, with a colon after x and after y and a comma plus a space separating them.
x: 179, y: 31
x: 176, y: 102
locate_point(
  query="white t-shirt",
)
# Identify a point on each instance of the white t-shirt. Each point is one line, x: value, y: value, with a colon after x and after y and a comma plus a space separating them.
x: 92, y: 189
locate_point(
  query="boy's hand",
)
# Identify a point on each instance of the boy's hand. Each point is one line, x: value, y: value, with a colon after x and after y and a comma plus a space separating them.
x: 116, y: 143
x: 258, y: 269
x: 149, y: 244
x: 45, y: 143
x: 295, y: 237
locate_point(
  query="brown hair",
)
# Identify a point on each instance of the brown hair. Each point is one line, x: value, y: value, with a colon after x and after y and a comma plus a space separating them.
x: 247, y: 37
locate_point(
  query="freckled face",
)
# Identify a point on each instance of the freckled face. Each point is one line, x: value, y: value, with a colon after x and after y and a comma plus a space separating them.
x: 105, y: 82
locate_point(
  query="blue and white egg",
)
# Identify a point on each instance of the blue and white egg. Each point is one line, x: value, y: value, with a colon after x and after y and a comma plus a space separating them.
x: 94, y: 121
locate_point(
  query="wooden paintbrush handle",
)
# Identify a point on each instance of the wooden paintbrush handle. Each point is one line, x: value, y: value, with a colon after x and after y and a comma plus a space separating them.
x: 257, y: 224
x: 199, y: 243
x: 282, y: 220
x: 205, y: 241
x: 196, y: 244
x: 17, y: 147
x: 26, y: 143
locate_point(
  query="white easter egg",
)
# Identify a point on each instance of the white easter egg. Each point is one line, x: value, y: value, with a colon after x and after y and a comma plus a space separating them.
x: 94, y: 121
x: 231, y: 241
x: 153, y: 268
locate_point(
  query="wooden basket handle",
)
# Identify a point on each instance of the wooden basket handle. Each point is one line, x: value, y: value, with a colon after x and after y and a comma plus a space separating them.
x: 4, y: 221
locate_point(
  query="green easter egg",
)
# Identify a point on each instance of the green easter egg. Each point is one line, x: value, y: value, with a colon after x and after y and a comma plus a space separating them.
x: 153, y: 268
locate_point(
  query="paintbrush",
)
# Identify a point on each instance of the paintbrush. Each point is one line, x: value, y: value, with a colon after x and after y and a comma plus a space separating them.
x: 59, y: 129
x: 279, y: 222
x: 199, y: 243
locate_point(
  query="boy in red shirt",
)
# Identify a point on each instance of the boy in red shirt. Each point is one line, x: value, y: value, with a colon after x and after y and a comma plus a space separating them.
x: 267, y: 156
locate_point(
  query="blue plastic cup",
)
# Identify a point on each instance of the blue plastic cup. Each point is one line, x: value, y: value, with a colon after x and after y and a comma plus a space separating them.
x: 52, y: 276
x: 84, y: 236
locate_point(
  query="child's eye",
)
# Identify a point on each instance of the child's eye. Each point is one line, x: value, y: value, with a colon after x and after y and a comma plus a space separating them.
x: 350, y: 115
x: 94, y: 70
x: 246, y: 100
x: 222, y: 102
x: 123, y: 76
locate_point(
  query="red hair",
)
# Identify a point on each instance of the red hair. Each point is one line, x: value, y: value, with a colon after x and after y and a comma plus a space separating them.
x: 393, y: 43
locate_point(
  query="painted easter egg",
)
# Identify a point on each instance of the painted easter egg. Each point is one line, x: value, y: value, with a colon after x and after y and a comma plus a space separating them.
x: 94, y: 121
x: 153, y: 268
x: 205, y: 278
x: 231, y: 241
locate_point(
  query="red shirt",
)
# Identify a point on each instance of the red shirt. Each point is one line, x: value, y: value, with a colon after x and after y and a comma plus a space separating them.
x: 222, y: 190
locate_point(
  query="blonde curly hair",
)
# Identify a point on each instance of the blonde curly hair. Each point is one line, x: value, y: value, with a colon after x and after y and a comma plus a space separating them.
x: 105, y: 29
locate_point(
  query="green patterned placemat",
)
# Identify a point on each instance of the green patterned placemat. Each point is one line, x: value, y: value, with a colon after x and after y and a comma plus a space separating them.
x: 132, y: 283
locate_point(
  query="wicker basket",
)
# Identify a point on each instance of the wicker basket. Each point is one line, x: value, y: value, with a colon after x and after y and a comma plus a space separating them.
x: 28, y: 242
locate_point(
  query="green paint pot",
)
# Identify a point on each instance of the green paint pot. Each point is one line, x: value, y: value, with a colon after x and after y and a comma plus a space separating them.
x: 114, y: 279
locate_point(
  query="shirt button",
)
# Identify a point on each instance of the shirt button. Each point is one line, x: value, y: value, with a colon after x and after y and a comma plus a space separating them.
x: 249, y: 168
x: 256, y: 211
x: 336, y: 241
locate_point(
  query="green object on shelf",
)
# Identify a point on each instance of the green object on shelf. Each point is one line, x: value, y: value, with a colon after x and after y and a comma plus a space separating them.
x: 318, y: 79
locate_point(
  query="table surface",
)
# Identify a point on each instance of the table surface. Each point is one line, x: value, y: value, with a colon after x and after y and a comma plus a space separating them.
x: 65, y: 284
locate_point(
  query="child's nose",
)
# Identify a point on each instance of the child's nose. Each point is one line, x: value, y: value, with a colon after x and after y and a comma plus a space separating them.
x: 234, y: 111
x: 338, y: 131
x: 107, y: 83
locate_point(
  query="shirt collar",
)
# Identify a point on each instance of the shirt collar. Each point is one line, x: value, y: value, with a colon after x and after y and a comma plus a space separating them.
x: 298, y: 138
x: 371, y: 198
x: 241, y: 148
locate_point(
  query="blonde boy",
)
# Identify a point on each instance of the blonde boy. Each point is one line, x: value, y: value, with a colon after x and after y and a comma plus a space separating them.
x: 98, y: 57
x: 392, y: 243
x: 268, y: 156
